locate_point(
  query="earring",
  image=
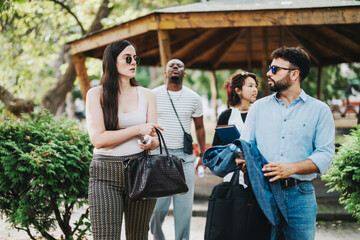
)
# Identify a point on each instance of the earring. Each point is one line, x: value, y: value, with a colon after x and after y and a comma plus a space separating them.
x: 240, y: 96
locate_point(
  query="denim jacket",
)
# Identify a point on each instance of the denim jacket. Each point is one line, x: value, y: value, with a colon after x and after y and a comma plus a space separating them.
x: 221, y: 161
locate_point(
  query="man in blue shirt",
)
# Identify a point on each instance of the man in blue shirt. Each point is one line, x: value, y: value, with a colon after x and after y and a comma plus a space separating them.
x: 295, y: 133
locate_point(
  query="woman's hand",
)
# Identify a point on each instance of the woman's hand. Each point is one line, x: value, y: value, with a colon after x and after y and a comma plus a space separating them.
x: 146, y: 143
x: 148, y: 128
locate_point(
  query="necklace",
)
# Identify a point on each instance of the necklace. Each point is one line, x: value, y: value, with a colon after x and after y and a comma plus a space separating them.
x: 173, y: 94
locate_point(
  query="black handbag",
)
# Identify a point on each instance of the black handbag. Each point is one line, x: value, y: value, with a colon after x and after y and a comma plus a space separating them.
x: 234, y: 214
x: 188, y: 146
x: 154, y: 176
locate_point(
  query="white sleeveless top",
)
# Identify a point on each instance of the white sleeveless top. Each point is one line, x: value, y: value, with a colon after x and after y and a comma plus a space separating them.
x: 126, y: 120
x: 236, y: 119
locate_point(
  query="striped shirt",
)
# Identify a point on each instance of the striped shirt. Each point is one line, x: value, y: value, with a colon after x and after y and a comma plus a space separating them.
x: 188, y: 105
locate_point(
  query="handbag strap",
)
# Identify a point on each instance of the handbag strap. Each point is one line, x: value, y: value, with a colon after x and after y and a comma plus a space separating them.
x: 175, y: 110
x: 162, y: 141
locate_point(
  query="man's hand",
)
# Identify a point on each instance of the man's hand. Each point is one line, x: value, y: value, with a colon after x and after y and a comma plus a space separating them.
x: 279, y: 170
x: 200, y: 162
x: 241, y: 161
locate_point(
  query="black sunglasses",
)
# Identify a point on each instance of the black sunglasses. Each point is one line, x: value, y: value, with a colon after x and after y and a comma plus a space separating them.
x: 275, y: 68
x: 128, y: 60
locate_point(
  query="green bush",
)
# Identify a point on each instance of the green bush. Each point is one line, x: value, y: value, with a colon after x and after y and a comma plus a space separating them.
x: 44, y: 174
x: 344, y: 174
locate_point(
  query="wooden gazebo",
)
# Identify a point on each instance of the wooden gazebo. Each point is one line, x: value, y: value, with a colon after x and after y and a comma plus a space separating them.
x: 230, y: 34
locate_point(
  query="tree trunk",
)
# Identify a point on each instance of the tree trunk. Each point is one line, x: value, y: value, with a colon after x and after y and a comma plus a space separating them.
x: 56, y: 95
x: 15, y: 105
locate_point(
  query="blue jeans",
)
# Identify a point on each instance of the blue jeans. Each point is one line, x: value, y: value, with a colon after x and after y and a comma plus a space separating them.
x: 301, y: 206
x: 182, y: 203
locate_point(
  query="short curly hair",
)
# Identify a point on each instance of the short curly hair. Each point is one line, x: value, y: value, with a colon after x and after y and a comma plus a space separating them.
x: 298, y: 58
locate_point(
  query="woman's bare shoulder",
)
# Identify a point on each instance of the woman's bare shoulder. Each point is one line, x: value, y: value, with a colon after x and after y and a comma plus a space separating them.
x: 148, y: 93
x: 94, y: 91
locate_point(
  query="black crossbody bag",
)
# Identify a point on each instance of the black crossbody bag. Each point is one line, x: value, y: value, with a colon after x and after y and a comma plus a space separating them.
x: 188, y: 146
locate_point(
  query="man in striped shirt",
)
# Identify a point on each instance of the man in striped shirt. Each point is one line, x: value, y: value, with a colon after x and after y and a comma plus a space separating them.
x: 188, y: 105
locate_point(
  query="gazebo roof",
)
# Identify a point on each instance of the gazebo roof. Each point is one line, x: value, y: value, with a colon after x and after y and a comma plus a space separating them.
x: 250, y: 5
x: 231, y: 34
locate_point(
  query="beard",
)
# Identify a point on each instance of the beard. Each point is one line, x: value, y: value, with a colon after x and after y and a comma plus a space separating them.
x: 175, y: 79
x: 281, y: 85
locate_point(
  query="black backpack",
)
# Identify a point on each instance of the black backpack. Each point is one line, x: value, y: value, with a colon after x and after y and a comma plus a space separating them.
x: 234, y: 214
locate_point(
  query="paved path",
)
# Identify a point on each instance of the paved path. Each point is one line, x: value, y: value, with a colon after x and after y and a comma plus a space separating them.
x: 335, y: 230
x: 329, y: 230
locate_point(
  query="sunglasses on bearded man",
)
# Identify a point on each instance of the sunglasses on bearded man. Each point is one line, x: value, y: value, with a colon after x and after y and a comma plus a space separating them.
x: 129, y: 59
x: 275, y: 68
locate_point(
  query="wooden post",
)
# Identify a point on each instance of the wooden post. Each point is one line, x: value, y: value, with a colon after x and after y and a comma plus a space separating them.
x: 81, y: 72
x: 248, y: 45
x: 164, y: 46
x: 319, y: 84
x: 214, y: 93
x: 264, y: 63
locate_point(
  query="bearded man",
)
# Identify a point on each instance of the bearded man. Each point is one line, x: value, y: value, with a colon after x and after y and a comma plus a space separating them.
x: 295, y: 133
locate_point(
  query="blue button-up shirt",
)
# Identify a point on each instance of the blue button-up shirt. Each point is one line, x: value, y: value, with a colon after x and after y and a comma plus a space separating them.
x: 305, y: 129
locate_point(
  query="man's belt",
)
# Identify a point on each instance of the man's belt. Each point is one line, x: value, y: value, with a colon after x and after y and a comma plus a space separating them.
x: 289, y: 182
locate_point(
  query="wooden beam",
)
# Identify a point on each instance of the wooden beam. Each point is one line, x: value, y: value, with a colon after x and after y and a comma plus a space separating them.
x: 123, y: 31
x: 248, y: 46
x: 176, y: 43
x: 311, y: 50
x: 350, y: 31
x: 319, y: 83
x: 201, y: 44
x: 350, y: 40
x: 220, y: 49
x: 214, y: 93
x: 81, y: 72
x: 262, y: 18
x: 265, y: 62
x: 227, y: 47
x: 332, y: 46
x: 218, y: 19
x: 164, y: 48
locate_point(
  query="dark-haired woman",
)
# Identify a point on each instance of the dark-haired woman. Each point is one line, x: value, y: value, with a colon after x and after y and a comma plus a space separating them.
x: 120, y: 114
x: 242, y: 90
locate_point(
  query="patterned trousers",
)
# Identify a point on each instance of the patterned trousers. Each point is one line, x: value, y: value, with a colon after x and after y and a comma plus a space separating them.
x: 108, y: 201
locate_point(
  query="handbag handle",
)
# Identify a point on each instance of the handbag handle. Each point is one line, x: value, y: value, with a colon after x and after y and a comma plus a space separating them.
x: 161, y: 140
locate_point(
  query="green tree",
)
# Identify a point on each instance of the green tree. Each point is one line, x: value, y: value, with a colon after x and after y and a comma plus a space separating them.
x: 32, y: 43
x: 44, y: 174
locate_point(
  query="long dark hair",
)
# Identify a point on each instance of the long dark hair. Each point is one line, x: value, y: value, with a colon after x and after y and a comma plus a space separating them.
x: 237, y: 80
x: 110, y: 83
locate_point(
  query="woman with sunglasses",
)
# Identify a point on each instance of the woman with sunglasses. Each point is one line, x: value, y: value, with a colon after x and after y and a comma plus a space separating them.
x: 242, y: 90
x: 121, y: 117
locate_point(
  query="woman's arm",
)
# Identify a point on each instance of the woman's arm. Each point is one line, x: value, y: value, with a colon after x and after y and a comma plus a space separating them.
x: 99, y: 136
x: 151, y: 118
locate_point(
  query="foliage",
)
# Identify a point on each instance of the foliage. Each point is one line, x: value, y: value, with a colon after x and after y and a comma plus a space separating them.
x: 33, y: 34
x: 44, y: 164
x: 334, y: 84
x: 344, y: 173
